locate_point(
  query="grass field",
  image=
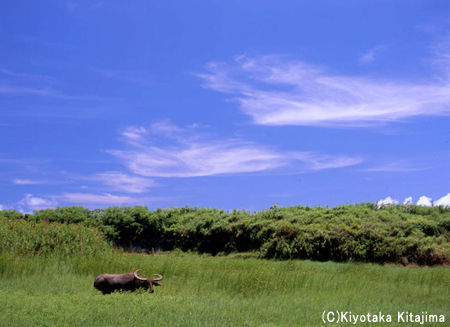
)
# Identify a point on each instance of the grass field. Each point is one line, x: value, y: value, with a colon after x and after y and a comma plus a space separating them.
x: 212, y: 291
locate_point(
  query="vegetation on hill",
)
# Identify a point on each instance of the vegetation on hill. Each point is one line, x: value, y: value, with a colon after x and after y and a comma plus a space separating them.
x: 361, y: 232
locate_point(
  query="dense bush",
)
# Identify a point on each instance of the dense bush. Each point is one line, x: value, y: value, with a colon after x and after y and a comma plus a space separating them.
x: 23, y: 237
x: 361, y: 232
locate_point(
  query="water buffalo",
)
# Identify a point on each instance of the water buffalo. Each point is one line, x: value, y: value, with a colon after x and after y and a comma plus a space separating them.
x: 108, y: 283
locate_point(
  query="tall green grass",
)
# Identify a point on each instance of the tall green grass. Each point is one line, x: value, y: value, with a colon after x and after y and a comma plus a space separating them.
x: 23, y: 237
x: 211, y: 291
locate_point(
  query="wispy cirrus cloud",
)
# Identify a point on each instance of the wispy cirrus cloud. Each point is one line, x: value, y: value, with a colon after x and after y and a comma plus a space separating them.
x: 134, y: 133
x: 25, y: 76
x: 120, y: 181
x: 370, y: 55
x: 14, y: 83
x: 13, y: 89
x: 25, y: 90
x: 104, y: 199
x: 20, y: 181
x: 395, y: 167
x: 186, y: 153
x: 273, y: 90
x: 441, y: 55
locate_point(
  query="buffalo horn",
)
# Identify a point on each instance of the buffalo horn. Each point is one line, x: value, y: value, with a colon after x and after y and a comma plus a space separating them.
x: 159, y: 277
x: 138, y: 277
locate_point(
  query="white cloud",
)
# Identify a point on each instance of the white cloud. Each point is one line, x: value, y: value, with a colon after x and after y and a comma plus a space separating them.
x: 106, y: 198
x: 425, y: 201
x: 444, y: 201
x: 24, y: 76
x: 370, y: 55
x: 12, y: 89
x: 20, y: 90
x: 18, y: 83
x: 36, y: 203
x: 408, y: 201
x: 387, y: 201
x: 134, y: 133
x: 124, y: 182
x: 166, y: 128
x: 185, y: 154
x: 278, y: 91
x: 394, y: 167
x: 19, y: 181
x: 2, y: 207
x: 441, y: 51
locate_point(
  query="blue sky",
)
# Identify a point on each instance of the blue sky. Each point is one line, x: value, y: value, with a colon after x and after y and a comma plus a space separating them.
x: 228, y: 104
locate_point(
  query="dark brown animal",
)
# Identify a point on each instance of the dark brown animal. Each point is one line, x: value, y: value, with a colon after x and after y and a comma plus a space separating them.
x: 108, y: 283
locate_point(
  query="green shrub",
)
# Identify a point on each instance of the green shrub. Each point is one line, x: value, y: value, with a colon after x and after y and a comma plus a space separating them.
x: 11, y: 214
x: 359, y: 232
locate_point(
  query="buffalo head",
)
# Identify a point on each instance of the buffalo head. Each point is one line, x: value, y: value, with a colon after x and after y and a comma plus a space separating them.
x: 148, y: 282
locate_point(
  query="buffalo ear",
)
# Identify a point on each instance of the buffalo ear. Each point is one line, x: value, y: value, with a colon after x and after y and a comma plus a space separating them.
x: 156, y: 284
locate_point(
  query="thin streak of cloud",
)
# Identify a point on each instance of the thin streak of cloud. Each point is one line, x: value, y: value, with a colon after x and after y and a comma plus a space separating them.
x: 193, y: 155
x: 105, y: 199
x: 166, y: 128
x: 19, y: 90
x: 23, y: 83
x: 134, y: 133
x: 19, y: 181
x: 24, y: 76
x: 27, y: 162
x: 441, y: 52
x: 395, y: 167
x: 45, y: 92
x: 123, y: 182
x: 370, y: 55
x: 277, y: 91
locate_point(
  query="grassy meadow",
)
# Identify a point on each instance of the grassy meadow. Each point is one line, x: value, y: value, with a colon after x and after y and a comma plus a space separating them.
x: 211, y: 291
x: 47, y: 271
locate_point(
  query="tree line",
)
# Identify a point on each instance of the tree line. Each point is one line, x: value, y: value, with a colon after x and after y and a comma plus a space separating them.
x: 357, y: 232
